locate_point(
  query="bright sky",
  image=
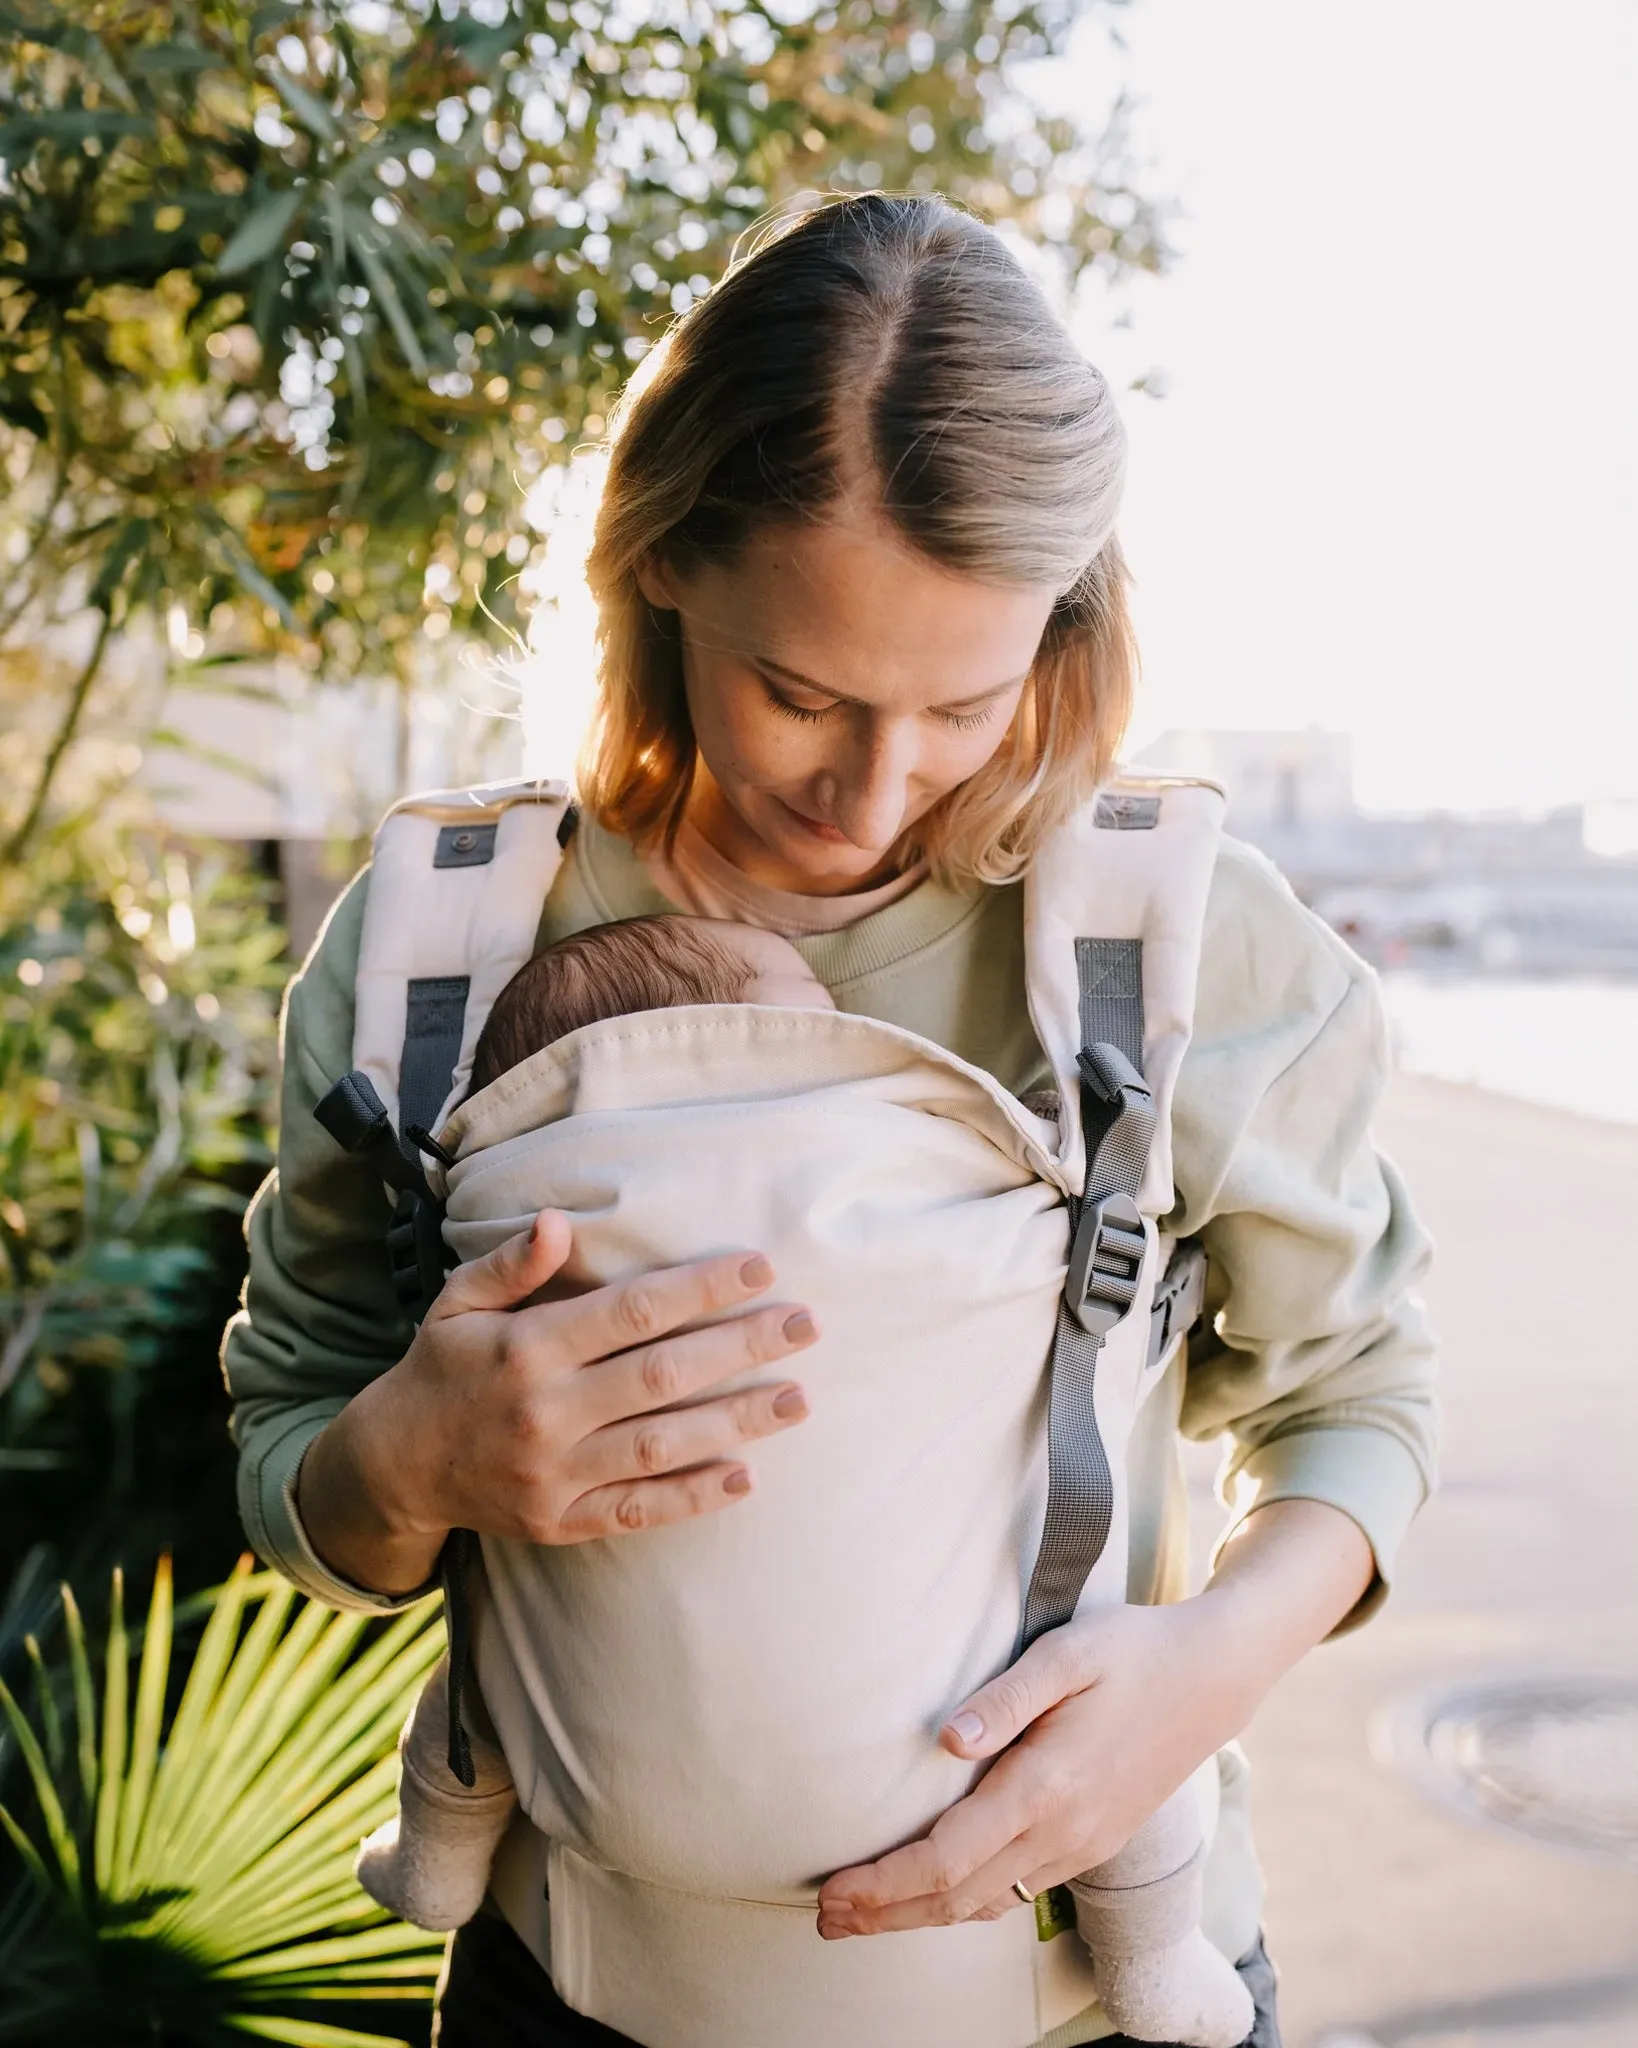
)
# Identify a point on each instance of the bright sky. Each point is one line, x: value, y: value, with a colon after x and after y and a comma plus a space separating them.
x: 1394, y: 486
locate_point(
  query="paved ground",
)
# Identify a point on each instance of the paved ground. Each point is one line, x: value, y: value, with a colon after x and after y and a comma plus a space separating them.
x: 1395, y: 1924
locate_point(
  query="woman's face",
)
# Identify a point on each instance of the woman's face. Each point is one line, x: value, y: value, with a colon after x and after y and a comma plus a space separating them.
x: 839, y: 685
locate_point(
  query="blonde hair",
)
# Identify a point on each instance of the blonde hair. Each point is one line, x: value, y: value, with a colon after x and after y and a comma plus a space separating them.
x: 904, y: 328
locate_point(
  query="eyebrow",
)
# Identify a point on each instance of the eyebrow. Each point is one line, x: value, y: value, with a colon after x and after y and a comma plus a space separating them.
x: 791, y: 675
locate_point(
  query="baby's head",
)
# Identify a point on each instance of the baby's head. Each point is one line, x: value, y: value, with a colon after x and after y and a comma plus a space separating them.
x: 641, y: 963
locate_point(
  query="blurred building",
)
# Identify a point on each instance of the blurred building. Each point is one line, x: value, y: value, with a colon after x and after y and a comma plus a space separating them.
x: 1286, y: 782
x: 304, y: 771
x: 1550, y: 894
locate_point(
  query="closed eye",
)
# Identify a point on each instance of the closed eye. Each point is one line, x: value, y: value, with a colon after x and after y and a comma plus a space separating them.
x: 810, y: 714
x: 780, y: 702
x: 964, y: 721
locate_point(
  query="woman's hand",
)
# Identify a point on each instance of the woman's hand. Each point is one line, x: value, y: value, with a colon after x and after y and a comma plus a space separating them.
x: 554, y: 1422
x: 1099, y: 1722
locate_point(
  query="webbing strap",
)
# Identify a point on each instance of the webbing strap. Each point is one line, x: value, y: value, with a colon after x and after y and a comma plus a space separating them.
x: 1110, y: 974
x: 459, y: 1554
x: 433, y: 1022
x: 1080, y: 1488
x: 1118, y: 1120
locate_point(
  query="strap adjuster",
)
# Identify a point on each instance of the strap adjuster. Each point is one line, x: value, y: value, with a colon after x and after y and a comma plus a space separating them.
x: 1180, y: 1297
x: 1105, y: 1261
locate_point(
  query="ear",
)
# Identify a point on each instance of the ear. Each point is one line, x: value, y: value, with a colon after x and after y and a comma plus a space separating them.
x: 657, y: 580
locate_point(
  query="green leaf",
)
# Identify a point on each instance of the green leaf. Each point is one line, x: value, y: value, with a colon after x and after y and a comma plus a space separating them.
x: 115, y: 1738
x: 360, y: 231
x: 245, y: 571
x: 159, y: 59
x: 308, y: 109
x: 85, y: 1705
x: 45, y: 1703
x: 262, y: 234
x: 52, y: 1817
x: 276, y: 14
x: 128, y: 544
x: 146, y: 1723
x: 311, y: 2034
x: 33, y: 1862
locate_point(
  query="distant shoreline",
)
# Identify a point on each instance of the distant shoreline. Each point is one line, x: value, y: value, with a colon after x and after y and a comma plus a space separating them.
x: 1566, y: 1046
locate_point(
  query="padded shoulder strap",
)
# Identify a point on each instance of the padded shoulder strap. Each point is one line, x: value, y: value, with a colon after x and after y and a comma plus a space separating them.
x: 456, y: 889
x: 1114, y: 906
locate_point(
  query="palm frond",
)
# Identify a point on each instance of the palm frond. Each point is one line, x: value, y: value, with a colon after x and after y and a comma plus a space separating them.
x: 184, y: 1871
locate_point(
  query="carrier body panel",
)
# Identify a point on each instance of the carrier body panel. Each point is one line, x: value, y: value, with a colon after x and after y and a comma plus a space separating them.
x: 704, y: 1721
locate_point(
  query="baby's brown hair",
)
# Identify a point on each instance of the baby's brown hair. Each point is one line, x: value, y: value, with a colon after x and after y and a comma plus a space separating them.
x: 608, y: 970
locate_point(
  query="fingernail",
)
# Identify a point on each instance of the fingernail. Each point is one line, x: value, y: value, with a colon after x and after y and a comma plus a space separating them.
x: 968, y: 1727
x: 756, y: 1272
x: 737, y: 1481
x: 799, y: 1327
x: 789, y: 1403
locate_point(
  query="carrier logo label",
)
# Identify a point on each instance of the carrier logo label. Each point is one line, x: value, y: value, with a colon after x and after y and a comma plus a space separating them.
x: 1123, y: 811
x: 1054, y: 1912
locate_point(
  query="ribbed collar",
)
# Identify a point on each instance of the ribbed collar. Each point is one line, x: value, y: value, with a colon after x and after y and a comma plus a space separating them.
x: 620, y: 886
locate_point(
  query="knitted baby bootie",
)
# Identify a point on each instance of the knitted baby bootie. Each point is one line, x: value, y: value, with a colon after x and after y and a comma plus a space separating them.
x: 430, y: 1863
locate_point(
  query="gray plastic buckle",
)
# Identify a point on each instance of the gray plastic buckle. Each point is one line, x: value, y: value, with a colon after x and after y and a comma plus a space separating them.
x: 1105, y: 1261
x: 1180, y: 1297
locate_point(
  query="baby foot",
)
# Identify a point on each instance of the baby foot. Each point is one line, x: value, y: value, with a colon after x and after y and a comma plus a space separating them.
x: 1189, y: 1993
x: 430, y: 1863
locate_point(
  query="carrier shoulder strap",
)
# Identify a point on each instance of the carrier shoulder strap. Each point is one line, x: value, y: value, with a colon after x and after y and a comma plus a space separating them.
x: 1115, y: 906
x: 456, y: 888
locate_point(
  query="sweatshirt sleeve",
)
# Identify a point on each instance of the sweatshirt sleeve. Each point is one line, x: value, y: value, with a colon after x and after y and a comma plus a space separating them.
x: 1318, y: 1362
x: 319, y: 1317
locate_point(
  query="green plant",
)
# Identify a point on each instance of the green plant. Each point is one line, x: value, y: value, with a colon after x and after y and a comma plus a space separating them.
x: 138, y: 998
x: 297, y: 301
x: 181, y: 1873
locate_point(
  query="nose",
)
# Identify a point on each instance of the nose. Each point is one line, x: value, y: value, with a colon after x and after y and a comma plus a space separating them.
x: 869, y: 793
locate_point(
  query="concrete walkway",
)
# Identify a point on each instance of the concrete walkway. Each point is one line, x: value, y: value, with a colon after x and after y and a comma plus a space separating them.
x: 1393, y: 1922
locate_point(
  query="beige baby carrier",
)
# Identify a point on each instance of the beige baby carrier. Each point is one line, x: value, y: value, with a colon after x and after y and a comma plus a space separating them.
x: 705, y: 1720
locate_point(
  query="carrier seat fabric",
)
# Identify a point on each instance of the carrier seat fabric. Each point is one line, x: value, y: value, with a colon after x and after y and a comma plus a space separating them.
x: 807, y: 1643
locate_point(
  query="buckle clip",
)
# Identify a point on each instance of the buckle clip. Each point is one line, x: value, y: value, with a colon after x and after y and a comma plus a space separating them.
x: 1105, y: 1261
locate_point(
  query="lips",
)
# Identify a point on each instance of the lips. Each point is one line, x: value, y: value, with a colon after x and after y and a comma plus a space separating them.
x: 829, y: 834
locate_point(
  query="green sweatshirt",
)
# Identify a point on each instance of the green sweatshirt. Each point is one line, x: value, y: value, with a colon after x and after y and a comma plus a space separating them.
x: 1318, y: 1364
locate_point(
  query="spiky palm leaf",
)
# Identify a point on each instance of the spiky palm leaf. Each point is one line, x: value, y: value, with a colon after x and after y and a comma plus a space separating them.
x: 186, y: 1876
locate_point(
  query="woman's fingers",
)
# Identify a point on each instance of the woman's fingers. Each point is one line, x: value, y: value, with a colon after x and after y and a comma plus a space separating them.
x: 510, y: 1273
x: 982, y: 1894
x: 584, y: 1417
x: 893, y: 1892
x: 1054, y: 1666
x: 642, y: 1310
x: 1035, y: 1881
x: 621, y: 1509
x: 678, y: 1367
x: 675, y: 1440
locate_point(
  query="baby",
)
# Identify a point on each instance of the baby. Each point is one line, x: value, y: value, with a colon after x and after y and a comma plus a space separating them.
x: 430, y: 1863
x: 1156, y: 1974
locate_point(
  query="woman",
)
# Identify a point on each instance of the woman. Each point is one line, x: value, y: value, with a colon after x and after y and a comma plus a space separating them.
x: 864, y: 640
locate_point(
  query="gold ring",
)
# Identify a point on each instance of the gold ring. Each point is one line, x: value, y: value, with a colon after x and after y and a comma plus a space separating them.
x: 1023, y: 1891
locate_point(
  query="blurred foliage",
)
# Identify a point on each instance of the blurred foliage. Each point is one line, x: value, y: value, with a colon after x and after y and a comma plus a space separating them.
x: 176, y: 1852
x: 138, y: 1002
x: 298, y: 301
